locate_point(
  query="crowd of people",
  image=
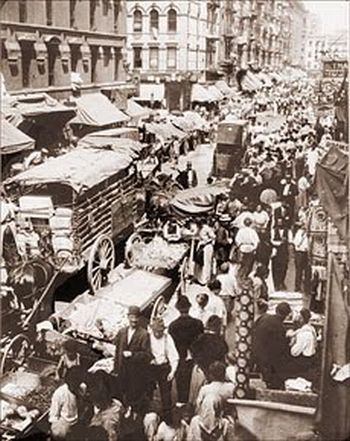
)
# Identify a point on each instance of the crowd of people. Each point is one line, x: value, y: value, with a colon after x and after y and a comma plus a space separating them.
x: 171, y: 382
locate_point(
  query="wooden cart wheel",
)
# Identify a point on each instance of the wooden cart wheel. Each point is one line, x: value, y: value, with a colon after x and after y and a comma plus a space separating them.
x: 159, y: 308
x: 15, y: 353
x: 101, y: 262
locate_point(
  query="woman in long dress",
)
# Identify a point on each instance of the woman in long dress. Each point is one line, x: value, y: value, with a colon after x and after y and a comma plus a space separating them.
x: 205, y: 248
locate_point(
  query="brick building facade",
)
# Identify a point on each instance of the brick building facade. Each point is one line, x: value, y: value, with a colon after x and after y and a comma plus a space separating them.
x: 44, y: 41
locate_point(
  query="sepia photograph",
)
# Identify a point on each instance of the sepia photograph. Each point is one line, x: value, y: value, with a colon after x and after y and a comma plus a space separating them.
x: 175, y: 220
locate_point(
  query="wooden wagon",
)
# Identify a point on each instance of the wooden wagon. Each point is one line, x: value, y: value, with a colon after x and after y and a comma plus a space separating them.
x: 78, y: 205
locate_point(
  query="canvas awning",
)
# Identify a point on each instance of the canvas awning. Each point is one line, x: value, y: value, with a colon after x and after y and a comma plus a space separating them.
x: 200, y: 94
x: 135, y: 110
x: 95, y: 109
x: 198, y: 122
x: 80, y: 169
x: 223, y: 87
x: 182, y: 123
x: 332, y: 176
x: 151, y: 92
x: 165, y: 130
x: 36, y: 104
x: 215, y: 92
x: 12, y: 139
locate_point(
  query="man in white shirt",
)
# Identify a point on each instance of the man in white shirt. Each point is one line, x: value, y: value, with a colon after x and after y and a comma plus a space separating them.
x: 63, y: 415
x: 216, y: 305
x: 303, y: 345
x: 164, y: 363
x: 301, y: 248
x: 247, y: 241
x: 200, y: 309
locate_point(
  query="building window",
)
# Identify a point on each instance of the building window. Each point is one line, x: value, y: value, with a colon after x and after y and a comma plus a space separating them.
x: 116, y: 14
x: 75, y: 57
x: 94, y: 58
x: 28, y: 56
x: 172, y: 20
x: 72, y: 4
x: 154, y: 19
x: 48, y: 12
x: 53, y: 56
x: 92, y: 15
x: 22, y: 5
x: 137, y: 21
x: 171, y: 57
x: 153, y: 57
x: 137, y: 58
x: 105, y: 7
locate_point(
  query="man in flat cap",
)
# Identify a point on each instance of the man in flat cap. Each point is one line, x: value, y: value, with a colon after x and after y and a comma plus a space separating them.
x: 184, y: 330
x: 132, y: 360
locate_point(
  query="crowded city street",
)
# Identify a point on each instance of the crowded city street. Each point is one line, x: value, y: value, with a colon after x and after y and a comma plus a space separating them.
x: 174, y: 252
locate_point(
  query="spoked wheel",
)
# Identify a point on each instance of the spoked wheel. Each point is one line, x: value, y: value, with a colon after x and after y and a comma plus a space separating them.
x: 159, y: 309
x: 101, y: 262
x: 15, y: 354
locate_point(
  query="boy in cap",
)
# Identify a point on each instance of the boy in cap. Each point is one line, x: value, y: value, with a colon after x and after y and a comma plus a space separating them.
x: 184, y: 330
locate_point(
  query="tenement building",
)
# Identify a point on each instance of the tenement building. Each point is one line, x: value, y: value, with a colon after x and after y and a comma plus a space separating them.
x: 167, y: 48
x: 47, y: 44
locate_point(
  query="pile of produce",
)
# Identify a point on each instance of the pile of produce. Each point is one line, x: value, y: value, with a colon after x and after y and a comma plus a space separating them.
x: 17, y: 417
x: 19, y: 384
x: 40, y: 398
x: 157, y: 254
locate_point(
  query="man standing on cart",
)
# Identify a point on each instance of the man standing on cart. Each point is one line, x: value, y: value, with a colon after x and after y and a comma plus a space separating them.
x: 132, y: 361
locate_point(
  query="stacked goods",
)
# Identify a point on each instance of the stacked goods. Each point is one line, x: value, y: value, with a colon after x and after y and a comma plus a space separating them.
x: 100, y: 319
x: 157, y: 254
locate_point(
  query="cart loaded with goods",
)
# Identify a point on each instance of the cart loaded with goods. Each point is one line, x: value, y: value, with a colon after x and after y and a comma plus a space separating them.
x: 73, y: 208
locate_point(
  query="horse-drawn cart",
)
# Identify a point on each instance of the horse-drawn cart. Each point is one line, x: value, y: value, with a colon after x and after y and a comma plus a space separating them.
x: 77, y: 205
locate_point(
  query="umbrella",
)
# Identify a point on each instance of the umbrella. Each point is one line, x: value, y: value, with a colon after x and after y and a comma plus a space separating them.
x: 268, y: 196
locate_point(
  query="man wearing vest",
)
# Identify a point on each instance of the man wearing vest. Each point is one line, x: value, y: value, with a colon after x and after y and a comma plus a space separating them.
x: 164, y: 363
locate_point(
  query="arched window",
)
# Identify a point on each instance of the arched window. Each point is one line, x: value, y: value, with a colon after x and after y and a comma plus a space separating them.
x: 154, y: 19
x: 172, y: 20
x: 137, y: 21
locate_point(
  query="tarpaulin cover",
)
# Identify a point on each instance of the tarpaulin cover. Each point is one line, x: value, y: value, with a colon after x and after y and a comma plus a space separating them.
x: 13, y: 140
x: 135, y: 110
x: 332, y: 176
x: 120, y: 145
x: 95, y: 109
x: 200, y: 94
x: 80, y: 169
x: 197, y: 201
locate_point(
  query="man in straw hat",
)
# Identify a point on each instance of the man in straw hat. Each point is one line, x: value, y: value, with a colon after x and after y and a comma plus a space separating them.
x: 132, y: 358
x: 164, y: 363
